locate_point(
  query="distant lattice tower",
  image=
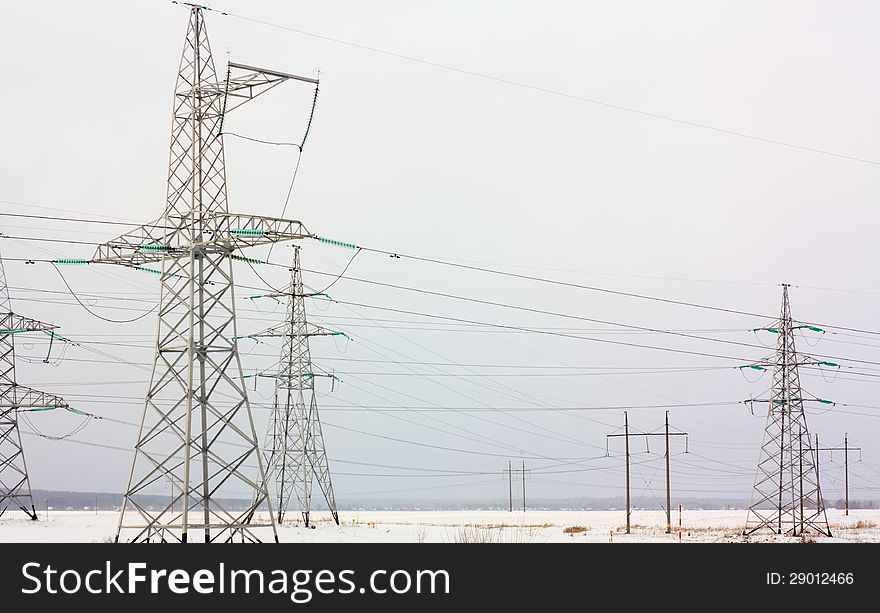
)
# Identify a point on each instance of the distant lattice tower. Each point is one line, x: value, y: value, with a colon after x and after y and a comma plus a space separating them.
x: 787, y: 499
x: 15, y: 487
x: 197, y: 432
x: 295, y: 454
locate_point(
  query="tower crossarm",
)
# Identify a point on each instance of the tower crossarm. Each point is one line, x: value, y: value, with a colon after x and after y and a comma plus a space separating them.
x: 16, y: 396
x: 244, y: 83
x: 305, y: 331
x: 800, y: 360
x: 151, y: 243
x: 10, y: 323
x: 141, y: 245
x: 241, y: 230
x: 796, y: 399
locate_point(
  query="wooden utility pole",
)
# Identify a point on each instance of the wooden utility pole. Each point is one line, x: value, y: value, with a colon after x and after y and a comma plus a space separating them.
x: 524, y: 485
x: 666, y: 434
x: 668, y: 493
x: 819, y: 501
x: 509, y: 487
x: 626, y: 437
x: 845, y: 449
x: 801, y: 472
x: 846, y: 470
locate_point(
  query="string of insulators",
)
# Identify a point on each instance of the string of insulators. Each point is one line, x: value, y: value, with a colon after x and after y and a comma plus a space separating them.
x: 311, y: 374
x: 275, y: 296
x: 336, y: 243
x: 248, y: 232
x: 803, y: 327
x: 68, y: 409
x: 779, y: 402
x: 242, y: 258
x: 154, y: 247
x: 15, y: 331
x: 155, y: 271
x: 69, y: 261
x: 752, y: 366
x: 52, y: 334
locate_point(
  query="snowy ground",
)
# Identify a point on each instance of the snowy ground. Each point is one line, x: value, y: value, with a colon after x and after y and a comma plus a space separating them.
x: 464, y: 526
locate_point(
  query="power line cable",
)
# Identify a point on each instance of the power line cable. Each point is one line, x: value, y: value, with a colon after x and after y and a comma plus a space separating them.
x: 546, y: 90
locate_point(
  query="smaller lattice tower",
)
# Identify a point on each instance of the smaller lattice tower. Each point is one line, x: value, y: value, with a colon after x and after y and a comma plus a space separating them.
x: 15, y: 486
x: 787, y: 499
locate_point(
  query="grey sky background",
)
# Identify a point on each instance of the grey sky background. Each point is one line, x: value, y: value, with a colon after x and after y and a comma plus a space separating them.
x: 416, y: 159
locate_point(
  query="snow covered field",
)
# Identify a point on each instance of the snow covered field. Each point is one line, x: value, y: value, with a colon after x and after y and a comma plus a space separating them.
x: 464, y: 526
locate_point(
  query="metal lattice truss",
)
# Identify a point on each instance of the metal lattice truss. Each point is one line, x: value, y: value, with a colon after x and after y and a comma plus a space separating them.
x: 172, y: 238
x: 15, y: 487
x: 197, y: 434
x: 244, y: 83
x: 787, y: 498
x: 295, y: 453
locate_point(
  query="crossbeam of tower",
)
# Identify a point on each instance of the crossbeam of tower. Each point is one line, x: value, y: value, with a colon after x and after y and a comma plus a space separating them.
x: 197, y: 430
x: 295, y: 455
x: 786, y: 497
x: 15, y: 486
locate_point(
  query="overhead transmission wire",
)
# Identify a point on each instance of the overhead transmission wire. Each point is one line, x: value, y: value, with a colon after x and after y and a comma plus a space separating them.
x: 440, y: 406
x: 459, y: 391
x: 538, y: 331
x: 546, y: 90
x: 483, y: 441
x: 402, y: 440
x: 98, y: 315
x: 511, y: 391
x: 594, y: 288
x: 532, y: 330
x: 450, y: 389
x: 502, y: 273
x: 424, y: 444
x: 299, y: 148
x: 550, y: 332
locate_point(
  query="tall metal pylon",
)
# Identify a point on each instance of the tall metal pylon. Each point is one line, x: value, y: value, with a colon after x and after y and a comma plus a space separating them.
x: 197, y: 430
x: 15, y: 485
x: 786, y: 498
x: 295, y: 453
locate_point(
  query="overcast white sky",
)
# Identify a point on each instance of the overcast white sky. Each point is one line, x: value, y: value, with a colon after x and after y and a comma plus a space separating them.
x: 413, y: 158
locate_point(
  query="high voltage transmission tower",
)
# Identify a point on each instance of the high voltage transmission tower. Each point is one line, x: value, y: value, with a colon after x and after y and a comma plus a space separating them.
x: 787, y: 498
x: 15, y: 486
x: 295, y: 454
x: 197, y: 430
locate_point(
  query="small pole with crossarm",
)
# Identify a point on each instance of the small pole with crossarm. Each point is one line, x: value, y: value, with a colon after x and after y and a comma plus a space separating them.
x: 666, y: 434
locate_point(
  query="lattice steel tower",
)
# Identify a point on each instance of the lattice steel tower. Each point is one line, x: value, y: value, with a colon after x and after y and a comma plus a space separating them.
x: 787, y: 498
x: 295, y: 454
x: 197, y: 431
x: 15, y: 486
